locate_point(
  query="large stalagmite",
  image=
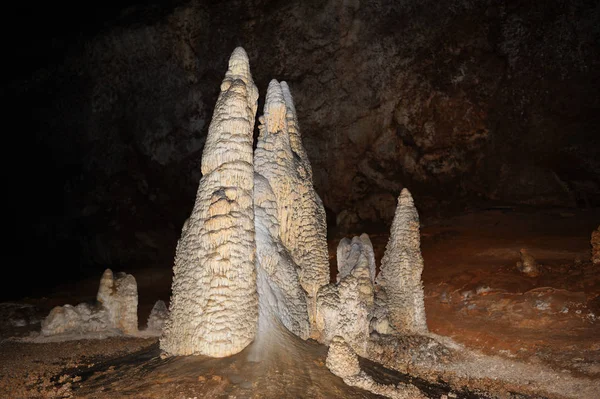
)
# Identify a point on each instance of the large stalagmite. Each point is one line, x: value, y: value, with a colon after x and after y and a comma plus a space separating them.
x: 214, y: 303
x: 280, y: 158
x: 401, y: 268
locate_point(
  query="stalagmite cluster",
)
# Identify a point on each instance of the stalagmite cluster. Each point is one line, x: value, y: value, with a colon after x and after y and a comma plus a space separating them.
x: 214, y: 303
x: 401, y: 269
x: 345, y: 309
x: 252, y: 260
x: 115, y: 310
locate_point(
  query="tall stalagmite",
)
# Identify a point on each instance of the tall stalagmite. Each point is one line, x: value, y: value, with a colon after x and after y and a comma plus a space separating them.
x: 214, y: 304
x: 280, y: 158
x: 401, y: 269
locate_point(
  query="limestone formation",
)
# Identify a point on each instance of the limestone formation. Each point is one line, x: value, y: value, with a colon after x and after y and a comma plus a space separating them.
x: 214, y: 303
x: 596, y: 246
x: 157, y: 318
x: 345, y: 309
x: 115, y: 310
x: 528, y: 265
x: 343, y: 362
x: 401, y: 269
x: 118, y: 294
x: 76, y: 320
x: 281, y: 298
x: 280, y: 158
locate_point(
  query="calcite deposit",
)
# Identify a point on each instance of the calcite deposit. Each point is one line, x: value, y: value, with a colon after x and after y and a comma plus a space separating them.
x: 595, y: 241
x: 118, y: 294
x: 281, y: 298
x: 401, y: 269
x: 157, y: 318
x: 214, y: 303
x: 280, y: 158
x: 343, y: 362
x: 114, y: 311
x: 528, y: 265
x: 345, y: 309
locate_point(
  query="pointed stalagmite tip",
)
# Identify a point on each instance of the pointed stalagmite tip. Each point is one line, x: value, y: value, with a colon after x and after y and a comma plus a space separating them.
x: 239, y: 64
x: 405, y: 198
x: 287, y: 95
x: 275, y: 109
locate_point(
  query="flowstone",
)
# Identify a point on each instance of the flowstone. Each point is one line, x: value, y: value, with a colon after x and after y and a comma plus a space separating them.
x: 281, y: 159
x: 214, y: 303
x: 343, y: 362
x: 401, y: 267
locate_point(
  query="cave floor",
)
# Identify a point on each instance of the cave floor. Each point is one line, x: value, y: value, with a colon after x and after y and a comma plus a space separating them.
x: 473, y: 294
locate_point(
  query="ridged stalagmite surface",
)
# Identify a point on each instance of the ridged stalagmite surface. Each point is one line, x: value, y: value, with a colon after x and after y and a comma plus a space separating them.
x: 281, y: 298
x: 401, y: 269
x: 282, y: 161
x: 345, y: 309
x: 214, y: 304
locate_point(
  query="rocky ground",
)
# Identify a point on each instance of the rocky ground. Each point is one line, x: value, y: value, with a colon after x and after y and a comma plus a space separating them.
x: 474, y: 294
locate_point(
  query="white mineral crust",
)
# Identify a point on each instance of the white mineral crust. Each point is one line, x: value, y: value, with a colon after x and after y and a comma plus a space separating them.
x: 401, y: 269
x: 214, y: 303
x: 280, y: 158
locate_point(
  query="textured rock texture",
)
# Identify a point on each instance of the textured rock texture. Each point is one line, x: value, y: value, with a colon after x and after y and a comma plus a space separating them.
x: 528, y: 265
x: 462, y: 101
x: 281, y: 297
x: 157, y: 318
x: 343, y: 362
x: 281, y: 160
x: 118, y: 295
x: 214, y: 304
x: 115, y: 310
x: 596, y: 246
x: 345, y: 309
x: 401, y: 269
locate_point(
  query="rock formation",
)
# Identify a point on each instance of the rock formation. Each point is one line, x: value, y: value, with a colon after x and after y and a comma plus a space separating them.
x: 115, y: 310
x: 282, y: 161
x: 528, y: 265
x: 157, y: 318
x: 343, y: 362
x: 214, y: 304
x: 401, y: 268
x: 281, y: 298
x: 345, y: 309
x: 595, y: 241
x: 120, y: 298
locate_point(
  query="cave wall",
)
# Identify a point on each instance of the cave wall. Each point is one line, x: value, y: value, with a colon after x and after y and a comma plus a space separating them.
x: 462, y: 102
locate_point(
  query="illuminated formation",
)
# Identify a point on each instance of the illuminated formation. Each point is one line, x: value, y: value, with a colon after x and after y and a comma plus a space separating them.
x: 281, y: 160
x: 281, y: 296
x: 115, y: 310
x: 345, y: 309
x: 214, y: 303
x: 401, y: 268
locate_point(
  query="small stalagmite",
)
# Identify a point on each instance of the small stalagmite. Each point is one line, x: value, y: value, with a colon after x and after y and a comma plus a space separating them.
x: 596, y: 246
x: 281, y: 159
x: 345, y: 309
x: 214, y: 303
x: 401, y: 269
x: 118, y: 294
